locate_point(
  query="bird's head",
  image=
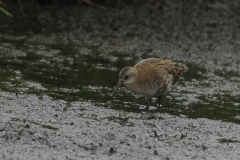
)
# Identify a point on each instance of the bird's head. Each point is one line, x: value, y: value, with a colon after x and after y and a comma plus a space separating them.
x: 126, y: 76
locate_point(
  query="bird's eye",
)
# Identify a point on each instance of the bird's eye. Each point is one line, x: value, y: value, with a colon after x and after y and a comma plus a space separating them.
x: 126, y: 77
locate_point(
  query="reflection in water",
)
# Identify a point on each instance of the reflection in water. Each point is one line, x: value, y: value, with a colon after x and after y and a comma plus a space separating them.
x: 83, y: 73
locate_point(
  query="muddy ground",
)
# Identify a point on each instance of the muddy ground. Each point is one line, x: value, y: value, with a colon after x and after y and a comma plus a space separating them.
x: 40, y: 126
x: 48, y: 129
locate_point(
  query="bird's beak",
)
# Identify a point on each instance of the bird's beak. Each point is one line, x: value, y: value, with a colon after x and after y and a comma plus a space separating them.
x: 120, y: 83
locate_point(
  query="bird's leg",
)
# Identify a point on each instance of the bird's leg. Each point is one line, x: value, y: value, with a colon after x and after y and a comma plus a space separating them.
x: 147, y: 105
x: 159, y: 102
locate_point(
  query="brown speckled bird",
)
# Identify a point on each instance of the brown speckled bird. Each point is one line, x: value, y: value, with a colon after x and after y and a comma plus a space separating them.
x: 151, y: 77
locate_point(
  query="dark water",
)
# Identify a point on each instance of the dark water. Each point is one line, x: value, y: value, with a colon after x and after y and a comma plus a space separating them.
x: 83, y: 73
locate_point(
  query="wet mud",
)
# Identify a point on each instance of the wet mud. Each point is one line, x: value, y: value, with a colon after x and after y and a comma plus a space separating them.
x: 49, y: 129
x: 59, y: 65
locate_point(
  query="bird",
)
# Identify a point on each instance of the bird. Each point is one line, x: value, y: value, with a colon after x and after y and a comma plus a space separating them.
x: 151, y: 77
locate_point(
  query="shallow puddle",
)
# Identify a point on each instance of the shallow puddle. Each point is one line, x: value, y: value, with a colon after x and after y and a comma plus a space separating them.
x: 84, y: 73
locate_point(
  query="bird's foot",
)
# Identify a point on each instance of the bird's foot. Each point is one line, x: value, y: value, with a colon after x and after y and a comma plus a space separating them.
x: 159, y: 106
x: 147, y: 107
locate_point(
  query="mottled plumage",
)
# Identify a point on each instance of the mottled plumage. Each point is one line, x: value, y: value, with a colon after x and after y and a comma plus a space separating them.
x: 151, y: 77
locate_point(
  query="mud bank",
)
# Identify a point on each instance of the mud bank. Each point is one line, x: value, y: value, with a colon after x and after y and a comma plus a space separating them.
x: 33, y: 128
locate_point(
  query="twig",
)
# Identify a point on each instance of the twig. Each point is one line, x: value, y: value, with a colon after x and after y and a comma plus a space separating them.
x: 1, y: 2
x: 20, y: 4
x: 91, y: 3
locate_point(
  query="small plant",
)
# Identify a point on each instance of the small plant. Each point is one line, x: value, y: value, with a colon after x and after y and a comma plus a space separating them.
x: 3, y: 10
